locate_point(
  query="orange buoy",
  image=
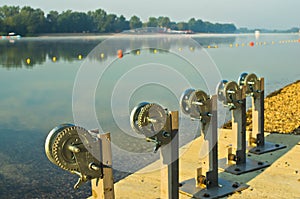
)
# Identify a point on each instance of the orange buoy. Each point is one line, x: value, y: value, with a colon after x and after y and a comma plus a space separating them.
x: 299, y: 40
x: 251, y: 44
x: 120, y: 54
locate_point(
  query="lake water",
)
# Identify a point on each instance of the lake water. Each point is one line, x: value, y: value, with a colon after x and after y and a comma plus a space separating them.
x: 38, y: 75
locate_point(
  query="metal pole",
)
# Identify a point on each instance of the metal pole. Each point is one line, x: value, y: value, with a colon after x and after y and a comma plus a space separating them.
x: 104, y: 188
x: 170, y: 156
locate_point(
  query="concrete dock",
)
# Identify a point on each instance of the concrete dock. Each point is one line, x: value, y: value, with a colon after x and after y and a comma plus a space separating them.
x: 280, y: 180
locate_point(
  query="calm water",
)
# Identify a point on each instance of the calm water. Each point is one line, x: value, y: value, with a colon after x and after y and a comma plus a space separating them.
x: 36, y: 95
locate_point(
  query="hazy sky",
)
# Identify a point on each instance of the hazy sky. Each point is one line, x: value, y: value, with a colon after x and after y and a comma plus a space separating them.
x: 275, y: 14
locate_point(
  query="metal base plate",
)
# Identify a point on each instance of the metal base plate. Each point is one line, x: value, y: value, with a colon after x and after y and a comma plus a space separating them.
x: 267, y: 147
x: 225, y: 188
x: 250, y: 165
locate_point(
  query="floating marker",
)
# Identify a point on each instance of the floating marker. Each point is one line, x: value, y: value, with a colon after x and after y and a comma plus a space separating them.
x: 180, y: 49
x: 79, y: 57
x: 192, y: 48
x: 236, y: 45
x: 138, y: 52
x: 54, y: 59
x: 230, y: 45
x: 251, y: 44
x: 102, y: 55
x: 120, y: 54
x: 154, y: 51
x: 208, y: 46
x: 28, y: 61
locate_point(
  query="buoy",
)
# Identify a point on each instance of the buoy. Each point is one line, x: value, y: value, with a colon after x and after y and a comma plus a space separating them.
x: 120, y: 54
x: 102, y: 55
x: 28, y: 61
x: 79, y: 57
x: 251, y: 44
x: 138, y: 52
x: 192, y: 48
x: 230, y: 45
x: 208, y: 46
x: 180, y: 49
x: 54, y: 59
x: 154, y: 51
x: 216, y: 46
x: 299, y: 40
x: 236, y: 45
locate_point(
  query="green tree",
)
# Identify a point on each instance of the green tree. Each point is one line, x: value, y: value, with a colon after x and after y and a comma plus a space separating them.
x: 164, y: 22
x: 110, y: 23
x: 74, y: 22
x: 182, y: 26
x: 135, y: 22
x: 152, y: 22
x: 33, y: 19
x: 99, y: 19
x: 51, y: 21
x: 121, y: 24
x: 8, y: 16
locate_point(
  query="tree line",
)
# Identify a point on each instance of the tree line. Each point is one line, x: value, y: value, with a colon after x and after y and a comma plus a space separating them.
x: 30, y: 21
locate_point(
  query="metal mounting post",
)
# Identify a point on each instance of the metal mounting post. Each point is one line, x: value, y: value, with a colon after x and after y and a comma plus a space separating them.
x: 169, y: 155
x: 161, y: 127
x: 238, y: 163
x: 210, y: 185
x: 104, y: 188
x: 258, y: 123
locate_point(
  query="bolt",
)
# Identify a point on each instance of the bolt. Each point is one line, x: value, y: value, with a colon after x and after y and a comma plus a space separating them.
x: 166, y: 134
x: 197, y: 103
x: 94, y: 167
x: 151, y: 120
x: 74, y: 149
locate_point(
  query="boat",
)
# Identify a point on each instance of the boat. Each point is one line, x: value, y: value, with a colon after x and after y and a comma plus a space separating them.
x: 10, y: 36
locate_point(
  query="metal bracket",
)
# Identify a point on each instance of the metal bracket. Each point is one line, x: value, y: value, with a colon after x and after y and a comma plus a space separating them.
x: 223, y: 189
x: 210, y: 185
x: 255, y: 89
x: 240, y: 163
x: 161, y: 127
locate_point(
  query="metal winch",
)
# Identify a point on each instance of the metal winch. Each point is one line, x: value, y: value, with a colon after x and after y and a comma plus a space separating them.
x: 196, y: 104
x: 230, y: 94
x: 150, y: 119
x: 67, y: 147
x: 252, y: 83
x: 233, y: 97
x: 202, y: 107
x: 254, y: 87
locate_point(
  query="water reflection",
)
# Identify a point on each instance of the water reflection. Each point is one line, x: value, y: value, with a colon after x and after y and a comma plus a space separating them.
x: 15, y: 55
x: 30, y: 52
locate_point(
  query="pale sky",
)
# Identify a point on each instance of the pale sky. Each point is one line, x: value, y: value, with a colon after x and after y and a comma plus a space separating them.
x: 272, y: 14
